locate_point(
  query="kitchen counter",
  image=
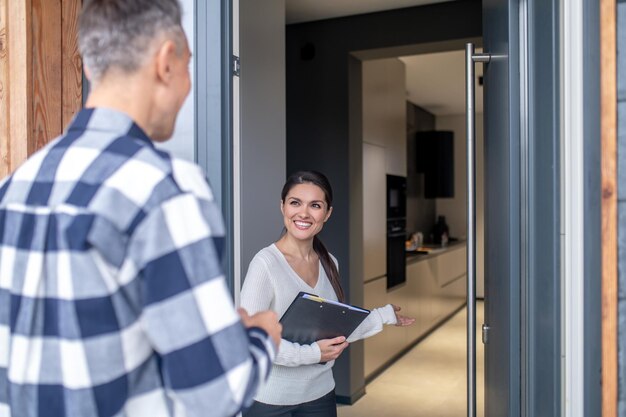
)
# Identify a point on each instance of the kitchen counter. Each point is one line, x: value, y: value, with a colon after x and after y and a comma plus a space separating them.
x: 414, y: 256
x: 434, y: 290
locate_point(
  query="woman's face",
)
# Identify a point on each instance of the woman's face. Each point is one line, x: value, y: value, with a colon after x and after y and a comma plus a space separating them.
x: 305, y: 211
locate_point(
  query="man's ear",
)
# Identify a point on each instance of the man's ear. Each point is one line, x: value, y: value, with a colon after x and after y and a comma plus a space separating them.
x: 87, y: 72
x: 165, y: 58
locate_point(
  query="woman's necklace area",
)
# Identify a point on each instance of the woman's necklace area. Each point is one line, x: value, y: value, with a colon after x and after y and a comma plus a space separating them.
x: 306, y: 268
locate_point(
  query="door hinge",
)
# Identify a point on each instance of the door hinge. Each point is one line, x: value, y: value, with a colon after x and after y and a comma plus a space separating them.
x: 485, y: 334
x: 236, y: 66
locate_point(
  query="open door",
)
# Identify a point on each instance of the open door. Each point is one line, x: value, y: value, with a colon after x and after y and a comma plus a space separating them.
x: 501, y: 330
x: 501, y: 333
x: 521, y: 99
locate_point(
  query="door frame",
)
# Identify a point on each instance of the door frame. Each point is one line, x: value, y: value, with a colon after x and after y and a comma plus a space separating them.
x: 582, y: 290
x: 215, y: 116
x: 541, y: 152
x: 559, y: 210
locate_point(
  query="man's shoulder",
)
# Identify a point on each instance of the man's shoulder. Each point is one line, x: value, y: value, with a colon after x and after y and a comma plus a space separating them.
x: 186, y: 176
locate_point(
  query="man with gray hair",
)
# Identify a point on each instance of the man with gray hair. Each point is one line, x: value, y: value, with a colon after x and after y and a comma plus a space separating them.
x: 112, y: 299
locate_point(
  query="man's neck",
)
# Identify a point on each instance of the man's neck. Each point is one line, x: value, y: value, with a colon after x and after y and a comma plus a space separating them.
x: 127, y: 95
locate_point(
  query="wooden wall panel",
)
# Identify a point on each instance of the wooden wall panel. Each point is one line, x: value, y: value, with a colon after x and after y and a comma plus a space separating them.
x: 72, y: 63
x: 4, y: 89
x: 19, y: 51
x: 40, y: 75
x: 608, y: 97
x: 47, y: 73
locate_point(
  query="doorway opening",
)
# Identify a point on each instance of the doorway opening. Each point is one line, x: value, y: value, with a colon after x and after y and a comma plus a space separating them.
x: 402, y: 106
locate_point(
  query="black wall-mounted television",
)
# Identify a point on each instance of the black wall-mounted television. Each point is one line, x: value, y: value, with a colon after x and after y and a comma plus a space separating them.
x: 435, y: 159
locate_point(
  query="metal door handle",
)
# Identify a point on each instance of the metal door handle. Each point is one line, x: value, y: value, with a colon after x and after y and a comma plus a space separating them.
x: 470, y: 58
x: 486, y: 334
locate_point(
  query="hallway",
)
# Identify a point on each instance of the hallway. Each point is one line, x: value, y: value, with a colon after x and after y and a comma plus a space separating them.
x: 429, y: 381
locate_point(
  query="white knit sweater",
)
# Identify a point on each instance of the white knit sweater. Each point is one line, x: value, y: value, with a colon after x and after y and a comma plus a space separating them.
x: 296, y: 376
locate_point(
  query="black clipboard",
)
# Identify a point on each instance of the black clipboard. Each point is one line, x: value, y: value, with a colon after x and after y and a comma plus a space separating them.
x: 310, y: 318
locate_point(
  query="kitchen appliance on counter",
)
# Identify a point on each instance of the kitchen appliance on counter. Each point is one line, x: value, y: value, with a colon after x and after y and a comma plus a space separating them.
x: 440, y: 233
x: 396, y: 230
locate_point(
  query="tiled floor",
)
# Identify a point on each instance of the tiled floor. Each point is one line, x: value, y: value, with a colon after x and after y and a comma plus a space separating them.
x: 429, y: 381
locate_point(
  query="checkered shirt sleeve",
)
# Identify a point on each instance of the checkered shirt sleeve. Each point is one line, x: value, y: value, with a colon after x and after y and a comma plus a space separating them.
x: 191, y: 322
x: 112, y: 297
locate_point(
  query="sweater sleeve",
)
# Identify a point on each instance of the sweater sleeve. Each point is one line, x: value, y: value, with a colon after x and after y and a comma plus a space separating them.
x: 257, y: 294
x: 294, y: 354
x: 374, y: 322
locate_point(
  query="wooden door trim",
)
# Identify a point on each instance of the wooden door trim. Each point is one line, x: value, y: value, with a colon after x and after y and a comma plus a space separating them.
x: 608, y: 123
x: 19, y: 77
x: 40, y: 75
x: 4, y: 92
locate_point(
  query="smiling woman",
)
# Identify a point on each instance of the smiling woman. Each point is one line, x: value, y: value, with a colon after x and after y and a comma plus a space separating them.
x: 306, y: 204
x: 301, y: 380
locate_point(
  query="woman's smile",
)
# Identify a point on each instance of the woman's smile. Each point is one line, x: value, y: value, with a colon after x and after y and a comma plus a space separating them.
x: 302, y: 225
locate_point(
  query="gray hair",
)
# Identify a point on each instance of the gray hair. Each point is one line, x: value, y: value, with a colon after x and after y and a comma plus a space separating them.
x: 119, y: 33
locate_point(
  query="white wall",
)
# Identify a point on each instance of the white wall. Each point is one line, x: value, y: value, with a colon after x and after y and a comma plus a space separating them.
x: 455, y: 208
x: 182, y: 143
x: 263, y: 124
x: 374, y: 212
x: 384, y: 152
x: 384, y: 110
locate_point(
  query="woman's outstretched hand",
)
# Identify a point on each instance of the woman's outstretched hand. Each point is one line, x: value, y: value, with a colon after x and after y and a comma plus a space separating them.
x: 332, y: 348
x: 400, y: 319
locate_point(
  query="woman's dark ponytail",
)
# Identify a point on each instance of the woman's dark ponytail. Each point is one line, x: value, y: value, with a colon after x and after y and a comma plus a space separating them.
x: 319, y: 179
x: 329, y: 267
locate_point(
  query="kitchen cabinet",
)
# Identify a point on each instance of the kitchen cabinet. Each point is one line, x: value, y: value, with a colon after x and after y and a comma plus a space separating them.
x: 384, y: 110
x: 435, y: 158
x: 381, y: 347
x: 435, y: 289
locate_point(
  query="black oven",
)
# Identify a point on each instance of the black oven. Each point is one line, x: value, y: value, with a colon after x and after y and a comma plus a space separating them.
x: 396, y: 197
x: 396, y: 230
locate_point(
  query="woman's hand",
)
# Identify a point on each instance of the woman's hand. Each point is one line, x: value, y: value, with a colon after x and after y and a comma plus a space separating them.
x: 332, y: 348
x: 400, y: 319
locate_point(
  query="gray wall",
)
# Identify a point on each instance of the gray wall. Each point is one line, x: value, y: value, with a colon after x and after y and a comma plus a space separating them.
x: 321, y: 134
x: 262, y: 52
x: 621, y: 131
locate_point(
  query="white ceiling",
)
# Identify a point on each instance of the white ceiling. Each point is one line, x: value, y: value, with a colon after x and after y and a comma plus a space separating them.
x: 308, y: 10
x: 436, y: 82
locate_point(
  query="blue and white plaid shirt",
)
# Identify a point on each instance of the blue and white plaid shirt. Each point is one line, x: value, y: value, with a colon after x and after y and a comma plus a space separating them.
x: 112, y: 299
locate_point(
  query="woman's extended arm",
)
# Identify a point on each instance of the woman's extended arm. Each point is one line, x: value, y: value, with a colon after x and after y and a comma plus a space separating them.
x: 378, y: 317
